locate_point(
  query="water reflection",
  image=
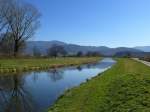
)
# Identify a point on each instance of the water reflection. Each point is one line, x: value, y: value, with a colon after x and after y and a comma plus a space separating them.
x: 35, y: 77
x: 13, y: 96
x: 36, y: 91
x: 55, y: 74
x: 79, y: 68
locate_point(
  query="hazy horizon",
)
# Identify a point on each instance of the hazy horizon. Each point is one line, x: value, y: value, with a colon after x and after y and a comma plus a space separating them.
x: 111, y: 23
x: 88, y: 45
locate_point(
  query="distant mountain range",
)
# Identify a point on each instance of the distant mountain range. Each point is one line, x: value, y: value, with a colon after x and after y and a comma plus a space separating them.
x: 143, y: 48
x: 73, y: 48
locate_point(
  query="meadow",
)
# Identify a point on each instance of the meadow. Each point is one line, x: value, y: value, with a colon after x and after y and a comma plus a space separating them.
x: 123, y: 88
x: 19, y: 65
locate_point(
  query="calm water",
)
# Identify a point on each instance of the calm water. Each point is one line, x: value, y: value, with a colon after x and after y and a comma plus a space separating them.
x: 35, y: 92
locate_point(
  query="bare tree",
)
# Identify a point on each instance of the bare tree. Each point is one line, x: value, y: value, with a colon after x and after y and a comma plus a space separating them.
x: 6, y: 43
x: 22, y: 20
x: 56, y: 50
x: 3, y: 11
x: 79, y: 54
x: 92, y: 53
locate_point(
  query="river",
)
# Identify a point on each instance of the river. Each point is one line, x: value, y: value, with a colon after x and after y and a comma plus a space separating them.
x: 37, y: 91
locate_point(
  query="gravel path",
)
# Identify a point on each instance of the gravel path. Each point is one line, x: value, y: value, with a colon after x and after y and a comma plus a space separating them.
x: 144, y: 62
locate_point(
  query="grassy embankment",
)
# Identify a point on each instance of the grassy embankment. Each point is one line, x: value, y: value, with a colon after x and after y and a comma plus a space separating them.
x: 123, y: 88
x: 18, y: 65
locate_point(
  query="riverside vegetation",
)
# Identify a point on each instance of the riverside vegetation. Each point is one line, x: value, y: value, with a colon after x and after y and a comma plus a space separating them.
x: 123, y: 88
x: 19, y: 65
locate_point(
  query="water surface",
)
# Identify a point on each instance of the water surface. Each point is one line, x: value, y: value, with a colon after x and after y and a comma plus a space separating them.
x: 36, y: 91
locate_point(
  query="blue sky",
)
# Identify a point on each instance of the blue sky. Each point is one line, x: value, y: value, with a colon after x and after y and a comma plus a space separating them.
x: 111, y: 23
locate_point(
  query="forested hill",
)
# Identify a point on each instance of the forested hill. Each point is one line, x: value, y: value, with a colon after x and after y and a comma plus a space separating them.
x: 72, y: 48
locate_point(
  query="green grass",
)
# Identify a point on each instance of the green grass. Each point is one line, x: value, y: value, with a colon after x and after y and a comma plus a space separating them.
x: 15, y: 65
x: 123, y: 88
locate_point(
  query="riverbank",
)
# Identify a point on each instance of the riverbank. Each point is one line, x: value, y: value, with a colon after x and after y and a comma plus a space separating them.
x: 123, y: 88
x: 22, y: 65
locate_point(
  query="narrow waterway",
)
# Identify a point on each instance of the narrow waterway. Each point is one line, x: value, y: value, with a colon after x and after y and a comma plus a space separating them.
x: 36, y: 91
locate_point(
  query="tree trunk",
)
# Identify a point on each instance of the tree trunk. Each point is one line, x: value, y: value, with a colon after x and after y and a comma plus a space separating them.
x: 16, y: 48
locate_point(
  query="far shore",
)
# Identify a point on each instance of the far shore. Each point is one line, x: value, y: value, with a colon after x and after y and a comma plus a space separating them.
x: 35, y: 64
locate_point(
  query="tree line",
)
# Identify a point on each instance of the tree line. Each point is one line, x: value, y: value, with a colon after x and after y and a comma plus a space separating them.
x: 60, y: 51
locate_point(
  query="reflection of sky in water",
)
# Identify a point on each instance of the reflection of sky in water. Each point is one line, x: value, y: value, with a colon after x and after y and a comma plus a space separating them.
x: 45, y: 87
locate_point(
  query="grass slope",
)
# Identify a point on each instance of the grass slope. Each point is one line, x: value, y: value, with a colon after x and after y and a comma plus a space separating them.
x: 123, y: 88
x: 15, y: 65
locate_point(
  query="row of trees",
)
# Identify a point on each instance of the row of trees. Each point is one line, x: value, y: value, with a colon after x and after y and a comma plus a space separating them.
x: 57, y: 50
x: 18, y: 23
x: 53, y: 51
